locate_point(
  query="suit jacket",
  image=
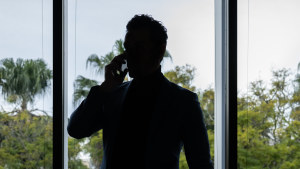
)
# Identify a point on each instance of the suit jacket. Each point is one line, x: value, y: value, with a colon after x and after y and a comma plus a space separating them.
x: 177, y: 120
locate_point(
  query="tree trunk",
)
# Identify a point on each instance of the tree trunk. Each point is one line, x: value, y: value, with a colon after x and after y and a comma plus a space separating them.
x: 24, y: 104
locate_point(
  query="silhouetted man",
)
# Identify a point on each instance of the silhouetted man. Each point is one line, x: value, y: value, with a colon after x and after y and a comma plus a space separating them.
x: 145, y: 121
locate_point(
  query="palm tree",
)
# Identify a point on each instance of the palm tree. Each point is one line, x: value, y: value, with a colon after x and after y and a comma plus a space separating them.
x: 23, y: 80
x: 82, y: 84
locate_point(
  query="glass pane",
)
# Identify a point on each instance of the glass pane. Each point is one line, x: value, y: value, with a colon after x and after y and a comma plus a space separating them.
x: 95, y: 30
x: 26, y: 84
x: 268, y: 84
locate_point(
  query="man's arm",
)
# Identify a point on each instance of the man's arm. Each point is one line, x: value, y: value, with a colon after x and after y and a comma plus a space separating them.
x: 195, y: 138
x: 88, y: 117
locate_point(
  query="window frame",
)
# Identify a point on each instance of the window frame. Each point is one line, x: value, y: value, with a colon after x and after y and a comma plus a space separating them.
x: 60, y: 117
x: 225, y: 84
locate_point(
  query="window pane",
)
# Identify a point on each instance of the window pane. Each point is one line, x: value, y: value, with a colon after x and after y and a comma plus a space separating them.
x: 268, y: 73
x: 96, y: 27
x: 26, y: 84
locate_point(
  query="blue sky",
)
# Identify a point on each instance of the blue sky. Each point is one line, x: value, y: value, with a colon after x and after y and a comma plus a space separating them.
x: 273, y: 29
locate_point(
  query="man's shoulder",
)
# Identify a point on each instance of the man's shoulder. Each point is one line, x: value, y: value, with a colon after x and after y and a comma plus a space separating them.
x: 181, y: 92
x: 174, y: 89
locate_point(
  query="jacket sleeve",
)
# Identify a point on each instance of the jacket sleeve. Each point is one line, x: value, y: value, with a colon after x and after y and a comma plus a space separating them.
x: 88, y: 117
x: 195, y: 137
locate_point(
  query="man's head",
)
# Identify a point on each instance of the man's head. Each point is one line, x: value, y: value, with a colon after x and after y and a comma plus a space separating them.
x: 145, y: 44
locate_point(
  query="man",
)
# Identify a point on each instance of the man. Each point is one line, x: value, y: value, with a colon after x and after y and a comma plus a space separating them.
x: 145, y: 121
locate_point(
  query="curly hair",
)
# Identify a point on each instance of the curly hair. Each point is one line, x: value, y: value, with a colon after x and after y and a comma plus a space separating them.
x: 157, y: 30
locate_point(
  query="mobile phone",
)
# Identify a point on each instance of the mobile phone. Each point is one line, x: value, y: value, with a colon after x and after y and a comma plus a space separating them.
x: 124, y: 65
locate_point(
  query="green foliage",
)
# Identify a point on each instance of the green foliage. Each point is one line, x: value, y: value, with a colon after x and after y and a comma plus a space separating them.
x: 82, y: 87
x: 182, y: 76
x: 74, y: 148
x: 268, y: 124
x: 26, y: 140
x: 206, y: 99
x: 268, y: 118
x: 95, y: 148
x: 211, y: 139
x: 182, y: 161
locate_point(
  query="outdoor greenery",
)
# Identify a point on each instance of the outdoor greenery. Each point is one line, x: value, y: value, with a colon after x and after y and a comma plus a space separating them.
x: 269, y: 123
x: 268, y: 116
x: 26, y: 134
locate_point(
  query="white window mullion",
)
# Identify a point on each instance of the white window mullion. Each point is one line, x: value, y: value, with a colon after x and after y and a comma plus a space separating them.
x: 65, y: 79
x: 221, y: 53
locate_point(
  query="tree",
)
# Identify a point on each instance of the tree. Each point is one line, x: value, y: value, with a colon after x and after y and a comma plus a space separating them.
x: 268, y: 132
x: 183, y: 76
x: 74, y: 148
x: 95, y: 148
x: 26, y: 138
x: 207, y: 98
x: 23, y: 80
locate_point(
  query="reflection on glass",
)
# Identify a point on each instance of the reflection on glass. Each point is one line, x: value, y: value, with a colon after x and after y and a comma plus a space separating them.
x: 96, y: 35
x: 269, y: 84
x: 25, y: 84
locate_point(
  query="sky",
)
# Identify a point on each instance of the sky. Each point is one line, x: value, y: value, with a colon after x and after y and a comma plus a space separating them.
x: 268, y: 36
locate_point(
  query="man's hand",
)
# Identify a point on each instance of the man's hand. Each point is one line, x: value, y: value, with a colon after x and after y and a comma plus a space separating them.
x: 113, y: 74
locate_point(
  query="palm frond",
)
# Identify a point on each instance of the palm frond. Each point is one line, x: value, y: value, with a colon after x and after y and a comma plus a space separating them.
x: 93, y: 59
x: 108, y: 58
x: 118, y: 47
x: 82, y: 87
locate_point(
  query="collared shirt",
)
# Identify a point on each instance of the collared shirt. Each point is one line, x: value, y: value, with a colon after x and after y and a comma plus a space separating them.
x: 131, y: 140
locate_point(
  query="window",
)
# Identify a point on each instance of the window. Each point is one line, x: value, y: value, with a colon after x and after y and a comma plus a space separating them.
x: 26, y: 71
x: 95, y: 31
x: 268, y: 85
